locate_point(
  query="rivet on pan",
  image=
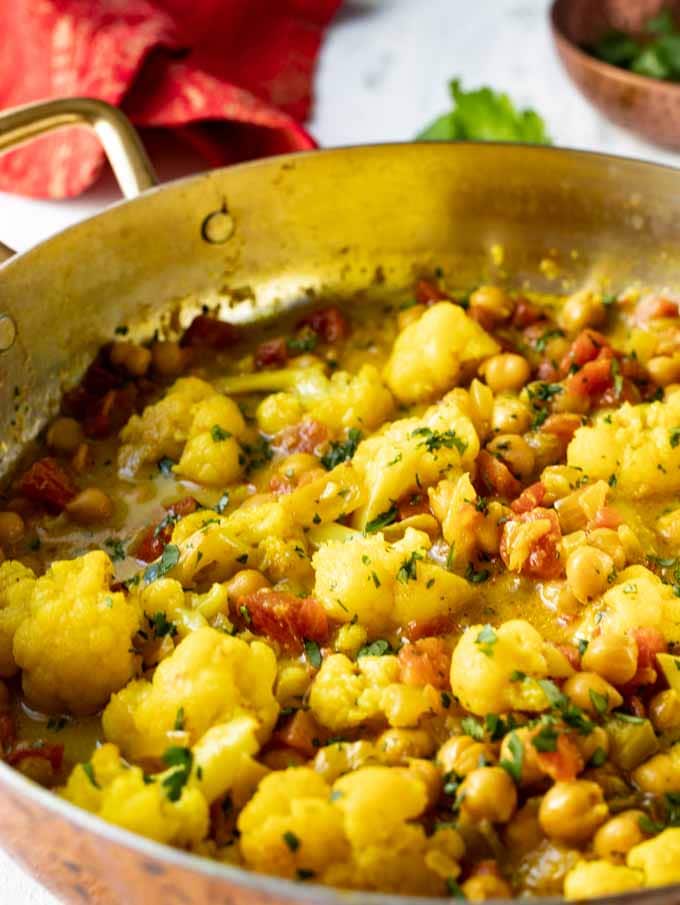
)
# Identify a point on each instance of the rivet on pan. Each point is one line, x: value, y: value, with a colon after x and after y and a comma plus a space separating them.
x: 8, y: 332
x: 218, y: 227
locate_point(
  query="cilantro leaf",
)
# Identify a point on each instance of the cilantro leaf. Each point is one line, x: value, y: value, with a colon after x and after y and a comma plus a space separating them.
x: 312, y: 653
x: 408, y: 568
x: 388, y: 517
x: 514, y: 766
x: 378, y: 648
x: 218, y: 434
x: 434, y: 440
x: 161, y: 625
x: 182, y: 760
x: 545, y: 739
x: 473, y: 728
x: 168, y: 560
x: 341, y: 452
x: 486, y: 639
x: 485, y: 115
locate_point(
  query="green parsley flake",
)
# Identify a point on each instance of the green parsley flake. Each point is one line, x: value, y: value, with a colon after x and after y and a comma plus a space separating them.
x: 486, y: 639
x: 341, y: 452
x: 218, y: 434
x: 291, y: 841
x: 378, y: 648
x: 168, y: 560
x: 514, y: 766
x: 313, y: 654
x: 181, y: 760
x: 382, y: 520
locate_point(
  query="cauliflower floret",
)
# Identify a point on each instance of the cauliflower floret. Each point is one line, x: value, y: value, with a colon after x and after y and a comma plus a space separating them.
x: 118, y: 793
x: 212, y: 677
x: 465, y: 527
x: 212, y: 454
x: 327, y: 498
x: 429, y: 353
x: 414, y: 453
x: 187, y: 611
x: 637, y: 599
x: 290, y: 824
x: 485, y: 660
x: 658, y: 858
x: 345, y: 694
x: 383, y: 585
x: 590, y: 879
x: 16, y: 586
x: 74, y: 646
x: 633, y: 445
x: 162, y: 428
x: 262, y: 534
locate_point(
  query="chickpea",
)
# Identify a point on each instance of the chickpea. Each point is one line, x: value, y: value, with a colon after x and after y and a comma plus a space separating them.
x: 664, y: 710
x: 531, y: 772
x: 492, y: 304
x: 574, y: 403
x: 588, y: 571
x: 12, y: 528
x: 509, y: 415
x: 396, y: 745
x: 505, y: 372
x: 488, y: 793
x: 591, y: 692
x: 430, y: 777
x: 90, y: 506
x: 461, y: 754
x: 486, y: 886
x: 547, y: 448
x: 524, y: 832
x: 131, y: 358
x: 410, y: 315
x: 607, y: 540
x: 613, y: 656
x: 245, y: 582
x: 294, y: 466
x: 571, y: 811
x: 618, y: 835
x: 65, y: 435
x: 514, y: 452
x: 664, y: 369
x: 169, y: 359
x: 658, y: 775
x: 583, y: 309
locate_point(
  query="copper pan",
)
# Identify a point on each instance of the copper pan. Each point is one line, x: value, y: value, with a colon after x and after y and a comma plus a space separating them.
x: 252, y: 240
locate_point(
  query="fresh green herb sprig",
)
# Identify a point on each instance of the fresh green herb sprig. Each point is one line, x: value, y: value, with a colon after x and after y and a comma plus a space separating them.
x: 654, y: 53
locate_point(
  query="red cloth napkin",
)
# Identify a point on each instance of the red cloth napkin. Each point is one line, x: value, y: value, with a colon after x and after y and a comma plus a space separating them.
x: 230, y: 76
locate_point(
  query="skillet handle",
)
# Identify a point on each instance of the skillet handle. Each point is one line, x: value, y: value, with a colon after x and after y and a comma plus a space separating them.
x: 122, y: 145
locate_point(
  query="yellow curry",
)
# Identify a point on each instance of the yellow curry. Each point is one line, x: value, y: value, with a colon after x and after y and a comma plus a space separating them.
x: 384, y: 597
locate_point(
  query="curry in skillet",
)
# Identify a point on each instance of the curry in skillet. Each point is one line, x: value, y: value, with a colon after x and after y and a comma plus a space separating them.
x: 384, y: 598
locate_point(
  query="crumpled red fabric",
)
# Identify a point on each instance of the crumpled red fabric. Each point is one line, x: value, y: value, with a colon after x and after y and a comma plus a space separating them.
x: 232, y: 77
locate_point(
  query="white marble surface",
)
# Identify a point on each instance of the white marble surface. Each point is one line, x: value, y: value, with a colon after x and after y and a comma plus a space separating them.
x: 383, y: 75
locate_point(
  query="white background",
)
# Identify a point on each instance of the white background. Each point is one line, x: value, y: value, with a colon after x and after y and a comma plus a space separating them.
x: 382, y: 77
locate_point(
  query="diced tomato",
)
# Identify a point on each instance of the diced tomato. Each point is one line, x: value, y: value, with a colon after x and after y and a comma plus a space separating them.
x: 605, y: 517
x: 305, y: 437
x: 329, y: 324
x: 110, y: 412
x: 47, y: 483
x: 427, y: 292
x: 544, y: 560
x: 586, y: 347
x: 54, y: 754
x: 440, y: 625
x: 548, y: 371
x: 571, y: 653
x: 636, y: 706
x: 655, y: 307
x: 210, y: 333
x: 613, y: 395
x: 650, y: 642
x: 281, y: 485
x: 593, y: 379
x: 154, y: 539
x: 271, y: 354
x: 285, y: 618
x: 565, y: 763
x: 496, y: 477
x: 562, y: 425
x: 526, y: 314
x: 302, y: 733
x: 425, y: 662
x: 413, y: 504
x: 529, y: 498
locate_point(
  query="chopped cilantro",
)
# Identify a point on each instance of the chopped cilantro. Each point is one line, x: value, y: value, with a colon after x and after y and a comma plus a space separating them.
x: 473, y: 728
x: 165, y: 466
x: 341, y: 452
x: 674, y: 436
x: 486, y: 639
x: 599, y: 701
x: 245, y: 614
x: 476, y: 577
x: 88, y: 769
x: 514, y: 766
x: 306, y: 341
x: 257, y: 454
x: 582, y: 646
x: 179, y: 720
x: 612, y: 480
x: 446, y: 699
x: 408, y: 569
x: 378, y: 648
x: 116, y: 547
x: 168, y: 560
x: 434, y: 440
x: 545, y: 391
x: 598, y: 758
x: 181, y: 759
x: 222, y: 503
x: 545, y: 739
x: 219, y: 434
x: 312, y: 653
x: 388, y: 517
x: 161, y: 625
x: 291, y: 841
x: 454, y: 889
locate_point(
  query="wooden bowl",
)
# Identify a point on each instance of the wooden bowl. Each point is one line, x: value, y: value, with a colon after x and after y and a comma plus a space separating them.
x: 648, y: 107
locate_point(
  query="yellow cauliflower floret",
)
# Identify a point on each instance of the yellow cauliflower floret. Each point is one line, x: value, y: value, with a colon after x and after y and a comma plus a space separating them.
x: 658, y: 858
x: 212, y: 677
x: 212, y: 454
x: 118, y: 793
x: 345, y: 694
x: 485, y: 659
x: 290, y: 824
x: 383, y: 585
x: 354, y: 400
x: 74, y: 646
x: 429, y: 353
x: 590, y: 879
x: 213, y: 547
x: 414, y: 453
x: 162, y: 428
x: 637, y: 599
x: 326, y: 498
x: 223, y: 759
x: 465, y: 528
x: 635, y: 444
x: 16, y: 586
x: 187, y: 611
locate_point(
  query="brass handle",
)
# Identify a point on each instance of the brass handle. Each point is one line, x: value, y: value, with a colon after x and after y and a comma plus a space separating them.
x: 121, y: 143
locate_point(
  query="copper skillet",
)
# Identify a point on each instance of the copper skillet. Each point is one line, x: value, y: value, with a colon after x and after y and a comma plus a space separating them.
x: 251, y: 240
